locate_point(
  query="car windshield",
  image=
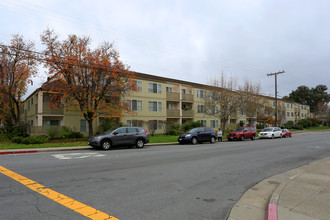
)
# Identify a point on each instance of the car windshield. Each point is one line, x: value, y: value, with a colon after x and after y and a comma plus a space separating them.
x: 109, y: 131
x: 193, y: 130
x: 267, y: 129
x: 238, y: 129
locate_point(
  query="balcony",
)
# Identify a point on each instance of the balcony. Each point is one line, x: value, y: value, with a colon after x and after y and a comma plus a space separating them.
x: 187, y: 98
x: 173, y: 96
x: 47, y: 109
x: 187, y: 113
x: 173, y: 113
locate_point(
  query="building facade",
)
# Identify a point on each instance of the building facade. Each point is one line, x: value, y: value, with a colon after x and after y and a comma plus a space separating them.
x: 158, y: 99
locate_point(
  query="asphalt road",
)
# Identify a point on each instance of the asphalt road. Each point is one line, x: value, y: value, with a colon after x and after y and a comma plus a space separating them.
x: 160, y: 182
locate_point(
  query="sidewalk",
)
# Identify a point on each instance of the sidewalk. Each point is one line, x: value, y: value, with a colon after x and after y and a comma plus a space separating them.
x: 299, y: 194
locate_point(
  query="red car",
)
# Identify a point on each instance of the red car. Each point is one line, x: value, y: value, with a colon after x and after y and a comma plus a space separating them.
x: 286, y: 133
x: 242, y: 133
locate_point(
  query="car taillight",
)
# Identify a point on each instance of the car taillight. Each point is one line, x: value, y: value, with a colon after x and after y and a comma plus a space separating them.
x: 146, y: 131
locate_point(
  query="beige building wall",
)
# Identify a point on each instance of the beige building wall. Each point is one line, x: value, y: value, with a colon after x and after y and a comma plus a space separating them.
x: 178, y: 99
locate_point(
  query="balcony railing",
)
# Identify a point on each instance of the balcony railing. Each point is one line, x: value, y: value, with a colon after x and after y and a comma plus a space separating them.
x: 188, y: 113
x: 47, y: 109
x: 187, y: 98
x: 173, y: 112
x: 173, y: 96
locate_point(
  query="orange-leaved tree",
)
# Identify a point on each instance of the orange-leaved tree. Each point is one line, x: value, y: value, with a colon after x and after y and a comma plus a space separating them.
x: 91, y: 81
x: 17, y: 64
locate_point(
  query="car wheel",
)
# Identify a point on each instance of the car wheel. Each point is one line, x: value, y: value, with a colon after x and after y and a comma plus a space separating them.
x: 139, y: 143
x: 281, y: 136
x: 242, y: 138
x: 272, y: 136
x: 106, y: 145
x: 194, y: 140
x: 290, y: 135
x: 229, y: 139
x: 253, y: 137
x: 212, y: 141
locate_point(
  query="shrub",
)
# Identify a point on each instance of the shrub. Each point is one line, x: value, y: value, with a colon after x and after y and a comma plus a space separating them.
x: 305, y: 123
x: 298, y: 127
x: 68, y: 132
x: 20, y: 130
x: 17, y: 140
x: 173, y: 132
x: 191, y: 124
x: 53, y: 132
x: 40, y: 139
x: 109, y: 124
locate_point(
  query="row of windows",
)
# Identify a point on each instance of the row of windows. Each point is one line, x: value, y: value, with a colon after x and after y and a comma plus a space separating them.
x: 292, y: 114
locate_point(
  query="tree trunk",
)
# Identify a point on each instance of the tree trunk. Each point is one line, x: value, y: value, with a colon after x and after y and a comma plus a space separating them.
x: 90, y: 128
x: 223, y: 125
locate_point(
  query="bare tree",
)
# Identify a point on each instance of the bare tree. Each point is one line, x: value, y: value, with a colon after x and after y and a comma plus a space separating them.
x: 251, y: 100
x: 222, y: 100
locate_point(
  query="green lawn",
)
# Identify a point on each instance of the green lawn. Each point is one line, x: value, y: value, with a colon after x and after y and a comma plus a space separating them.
x: 163, y: 138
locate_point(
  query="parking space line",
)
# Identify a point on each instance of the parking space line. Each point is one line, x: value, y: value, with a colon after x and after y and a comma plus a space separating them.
x: 72, y: 204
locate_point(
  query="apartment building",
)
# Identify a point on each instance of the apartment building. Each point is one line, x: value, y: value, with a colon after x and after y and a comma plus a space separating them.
x: 157, y: 98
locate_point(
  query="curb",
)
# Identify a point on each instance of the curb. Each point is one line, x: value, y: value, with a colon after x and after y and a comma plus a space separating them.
x: 18, y: 152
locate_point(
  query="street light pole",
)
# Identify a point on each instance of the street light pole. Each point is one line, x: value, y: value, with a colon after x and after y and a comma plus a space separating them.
x: 275, y: 74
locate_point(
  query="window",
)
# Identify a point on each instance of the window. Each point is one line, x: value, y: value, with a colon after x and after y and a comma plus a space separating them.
x: 155, y: 106
x: 273, y: 103
x: 200, y: 109
x: 203, y: 123
x: 214, y: 123
x: 304, y: 107
x: 31, y: 123
x: 291, y: 114
x: 183, y: 91
x: 32, y: 101
x: 138, y: 85
x: 121, y: 130
x: 155, y: 124
x: 288, y: 114
x: 168, y: 106
x: 155, y: 88
x: 83, y: 125
x: 287, y: 105
x: 29, y: 105
x: 135, y: 105
x: 201, y: 93
x: 168, y: 89
x: 134, y: 123
x: 291, y: 105
x: 51, y: 123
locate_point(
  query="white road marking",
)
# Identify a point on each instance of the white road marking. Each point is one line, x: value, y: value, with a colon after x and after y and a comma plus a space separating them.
x: 72, y: 156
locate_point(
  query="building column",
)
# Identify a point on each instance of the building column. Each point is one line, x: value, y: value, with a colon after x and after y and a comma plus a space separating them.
x: 40, y: 108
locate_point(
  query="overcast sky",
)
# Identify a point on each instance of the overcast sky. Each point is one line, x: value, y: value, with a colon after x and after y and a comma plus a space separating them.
x: 192, y: 40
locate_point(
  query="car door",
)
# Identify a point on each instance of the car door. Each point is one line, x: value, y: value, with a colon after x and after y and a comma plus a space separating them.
x: 131, y: 136
x: 201, y: 134
x: 119, y: 136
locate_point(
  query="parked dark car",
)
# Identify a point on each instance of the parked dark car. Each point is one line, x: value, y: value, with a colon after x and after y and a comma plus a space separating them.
x: 198, y: 135
x: 286, y: 133
x: 121, y: 136
x: 242, y: 133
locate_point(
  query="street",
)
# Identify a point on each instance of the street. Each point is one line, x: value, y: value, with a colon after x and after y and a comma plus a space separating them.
x: 181, y: 182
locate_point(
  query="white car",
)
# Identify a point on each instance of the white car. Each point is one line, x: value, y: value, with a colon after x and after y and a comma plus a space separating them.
x: 271, y: 132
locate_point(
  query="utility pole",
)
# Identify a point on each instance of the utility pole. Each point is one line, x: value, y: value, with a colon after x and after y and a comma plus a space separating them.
x: 275, y: 74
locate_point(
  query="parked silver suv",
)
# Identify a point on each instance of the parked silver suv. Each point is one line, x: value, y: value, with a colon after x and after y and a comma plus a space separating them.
x: 121, y: 136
